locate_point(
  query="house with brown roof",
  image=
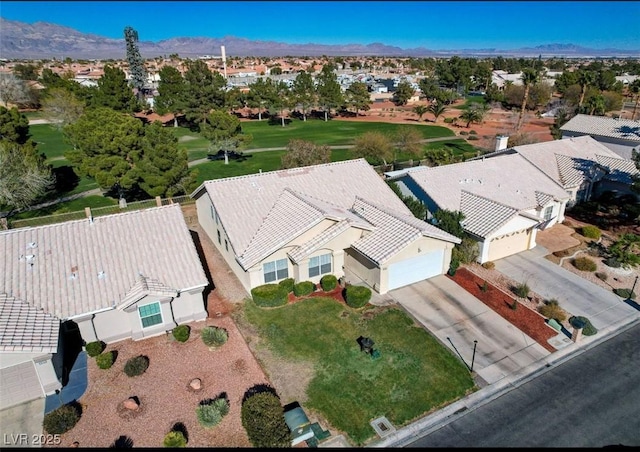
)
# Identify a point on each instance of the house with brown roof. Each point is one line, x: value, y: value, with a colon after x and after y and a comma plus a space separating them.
x: 303, y: 223
x: 130, y: 275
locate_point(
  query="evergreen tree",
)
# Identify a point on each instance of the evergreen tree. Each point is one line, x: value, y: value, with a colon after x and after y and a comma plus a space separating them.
x: 304, y: 92
x: 113, y: 91
x: 136, y: 63
x: 358, y: 97
x: 204, y: 91
x: 328, y: 90
x: 171, y: 96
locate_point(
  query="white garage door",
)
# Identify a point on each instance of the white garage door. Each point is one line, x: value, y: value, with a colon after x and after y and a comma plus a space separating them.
x: 19, y: 384
x: 415, y: 269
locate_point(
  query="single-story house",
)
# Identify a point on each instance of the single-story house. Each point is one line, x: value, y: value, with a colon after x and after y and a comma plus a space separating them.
x: 307, y: 222
x: 582, y: 166
x: 130, y: 275
x: 505, y: 200
x: 622, y: 136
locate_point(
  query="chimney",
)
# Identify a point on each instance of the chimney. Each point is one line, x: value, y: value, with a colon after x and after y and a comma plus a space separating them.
x: 501, y: 142
x: 87, y: 211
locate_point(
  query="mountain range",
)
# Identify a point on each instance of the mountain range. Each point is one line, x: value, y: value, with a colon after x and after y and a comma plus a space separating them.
x: 42, y: 40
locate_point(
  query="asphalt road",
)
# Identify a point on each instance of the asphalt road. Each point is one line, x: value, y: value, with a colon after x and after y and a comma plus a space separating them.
x: 589, y: 400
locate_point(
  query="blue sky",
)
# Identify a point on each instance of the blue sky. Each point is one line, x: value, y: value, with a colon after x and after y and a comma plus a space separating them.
x: 430, y: 24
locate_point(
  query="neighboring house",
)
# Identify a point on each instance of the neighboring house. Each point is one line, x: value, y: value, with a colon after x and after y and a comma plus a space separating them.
x: 620, y: 135
x: 582, y: 166
x: 505, y: 200
x: 130, y: 275
x: 333, y: 218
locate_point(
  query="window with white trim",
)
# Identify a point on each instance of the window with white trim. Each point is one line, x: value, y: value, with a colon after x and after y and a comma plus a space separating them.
x: 275, y: 270
x: 320, y: 265
x: 150, y: 314
x: 548, y: 212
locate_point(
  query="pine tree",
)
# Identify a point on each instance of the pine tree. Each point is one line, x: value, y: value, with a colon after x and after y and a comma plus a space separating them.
x: 136, y: 63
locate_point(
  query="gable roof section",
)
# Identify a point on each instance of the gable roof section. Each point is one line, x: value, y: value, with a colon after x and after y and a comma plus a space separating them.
x: 482, y: 215
x: 244, y: 203
x: 302, y: 251
x: 620, y: 170
x: 393, y: 231
x: 602, y: 126
x: 146, y: 287
x: 78, y: 267
x: 24, y: 328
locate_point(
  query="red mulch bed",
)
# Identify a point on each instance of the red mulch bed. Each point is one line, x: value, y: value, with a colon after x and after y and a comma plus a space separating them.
x: 524, y: 318
x: 336, y: 294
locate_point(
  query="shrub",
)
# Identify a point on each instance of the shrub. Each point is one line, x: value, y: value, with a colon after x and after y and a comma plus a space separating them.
x: 104, y: 360
x: 561, y: 253
x: 61, y: 420
x: 357, y: 296
x: 625, y: 293
x: 453, y: 266
x: 472, y: 137
x: 602, y: 275
x: 612, y: 262
x: 303, y: 288
x: 95, y: 348
x: 591, y: 232
x: 522, y: 290
x: 174, y: 439
x: 328, y: 282
x: 448, y: 120
x: 136, y: 366
x: 270, y: 295
x: 585, y: 264
x: 211, y: 412
x: 552, y: 310
x: 588, y: 329
x: 484, y: 287
x: 287, y: 284
x: 214, y: 336
x: 472, y: 132
x: 463, y: 132
x: 263, y: 419
x: 489, y: 265
x: 181, y: 333
x: 514, y: 305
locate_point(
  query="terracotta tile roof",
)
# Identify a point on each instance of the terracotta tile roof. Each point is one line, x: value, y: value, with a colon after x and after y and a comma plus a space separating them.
x: 602, y: 126
x: 24, y: 328
x: 72, y: 268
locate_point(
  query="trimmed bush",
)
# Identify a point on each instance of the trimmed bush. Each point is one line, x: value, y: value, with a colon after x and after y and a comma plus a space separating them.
x: 174, y: 439
x: 522, y: 290
x: 591, y: 232
x: 104, y: 360
x: 472, y: 132
x: 472, y: 137
x: 625, y: 293
x: 287, y: 284
x: 95, y: 348
x: 61, y: 420
x: 181, y: 333
x: 612, y: 262
x: 484, y: 287
x: 211, y: 412
x: 588, y: 329
x: 585, y: 264
x: 263, y: 419
x: 453, y: 266
x: 489, y: 265
x: 328, y: 282
x: 462, y: 132
x: 303, y: 288
x: 602, y: 275
x: 214, y: 336
x: 551, y: 310
x: 270, y: 295
x: 357, y: 296
x: 136, y: 366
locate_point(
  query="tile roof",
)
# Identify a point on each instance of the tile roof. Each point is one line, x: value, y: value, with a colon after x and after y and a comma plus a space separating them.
x: 302, y: 251
x: 24, y: 328
x: 475, y: 209
x: 244, y: 203
x: 623, y: 129
x: 144, y: 287
x: 72, y: 268
x: 393, y: 231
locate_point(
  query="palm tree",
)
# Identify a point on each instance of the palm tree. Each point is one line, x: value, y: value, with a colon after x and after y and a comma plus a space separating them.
x: 585, y: 79
x: 471, y: 115
x: 437, y: 109
x: 420, y: 110
x: 529, y: 77
x: 634, y: 89
x: 596, y: 105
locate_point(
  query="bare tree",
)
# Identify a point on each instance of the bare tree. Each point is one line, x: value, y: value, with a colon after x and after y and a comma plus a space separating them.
x: 61, y: 107
x: 305, y: 153
x: 12, y: 90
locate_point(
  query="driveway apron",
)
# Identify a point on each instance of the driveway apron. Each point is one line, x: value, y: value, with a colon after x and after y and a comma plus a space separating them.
x: 457, y: 319
x: 580, y: 297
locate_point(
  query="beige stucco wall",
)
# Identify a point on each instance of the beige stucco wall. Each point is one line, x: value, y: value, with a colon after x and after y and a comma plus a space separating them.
x: 189, y: 306
x: 509, y: 244
x: 362, y: 268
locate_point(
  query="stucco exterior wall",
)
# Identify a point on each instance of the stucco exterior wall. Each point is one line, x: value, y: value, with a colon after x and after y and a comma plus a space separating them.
x: 189, y: 306
x: 362, y: 268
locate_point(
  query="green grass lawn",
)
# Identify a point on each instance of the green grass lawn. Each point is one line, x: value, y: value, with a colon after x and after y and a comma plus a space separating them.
x: 471, y: 100
x: 76, y: 205
x: 414, y: 374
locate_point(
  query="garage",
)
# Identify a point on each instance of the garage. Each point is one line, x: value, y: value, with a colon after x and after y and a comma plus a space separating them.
x: 509, y: 244
x: 18, y: 384
x: 415, y: 269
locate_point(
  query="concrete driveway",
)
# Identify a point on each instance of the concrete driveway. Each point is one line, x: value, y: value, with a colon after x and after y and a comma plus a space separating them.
x: 603, y: 308
x: 457, y: 319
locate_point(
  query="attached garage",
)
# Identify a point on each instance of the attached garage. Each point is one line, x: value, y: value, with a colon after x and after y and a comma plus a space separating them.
x: 415, y: 269
x: 18, y: 384
x: 509, y: 244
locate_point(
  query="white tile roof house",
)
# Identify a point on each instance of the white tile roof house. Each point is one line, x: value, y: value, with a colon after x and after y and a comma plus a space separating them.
x: 504, y: 200
x: 306, y: 222
x: 622, y: 136
x: 129, y: 275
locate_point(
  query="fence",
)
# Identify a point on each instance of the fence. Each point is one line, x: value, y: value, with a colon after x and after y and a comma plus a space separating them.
x: 100, y: 211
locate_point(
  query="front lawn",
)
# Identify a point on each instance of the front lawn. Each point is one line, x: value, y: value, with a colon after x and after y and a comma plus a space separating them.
x: 413, y: 376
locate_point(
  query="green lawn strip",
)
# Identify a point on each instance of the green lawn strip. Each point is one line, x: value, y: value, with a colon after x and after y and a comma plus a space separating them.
x: 34, y: 114
x: 76, y: 205
x: 457, y: 146
x: 414, y: 374
x: 197, y: 146
x: 471, y: 100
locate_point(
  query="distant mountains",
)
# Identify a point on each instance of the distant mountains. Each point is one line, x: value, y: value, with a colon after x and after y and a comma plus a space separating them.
x: 42, y: 40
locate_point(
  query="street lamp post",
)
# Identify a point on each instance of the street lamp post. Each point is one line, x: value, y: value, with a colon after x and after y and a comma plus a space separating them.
x: 473, y: 357
x: 632, y: 289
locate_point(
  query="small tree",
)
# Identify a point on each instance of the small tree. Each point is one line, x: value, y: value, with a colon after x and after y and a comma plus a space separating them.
x: 61, y: 420
x: 263, y: 419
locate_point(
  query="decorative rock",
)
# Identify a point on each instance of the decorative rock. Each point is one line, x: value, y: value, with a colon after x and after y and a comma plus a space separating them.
x: 196, y: 384
x: 131, y: 404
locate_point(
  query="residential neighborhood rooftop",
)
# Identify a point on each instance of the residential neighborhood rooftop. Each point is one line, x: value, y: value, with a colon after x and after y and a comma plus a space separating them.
x: 623, y: 129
